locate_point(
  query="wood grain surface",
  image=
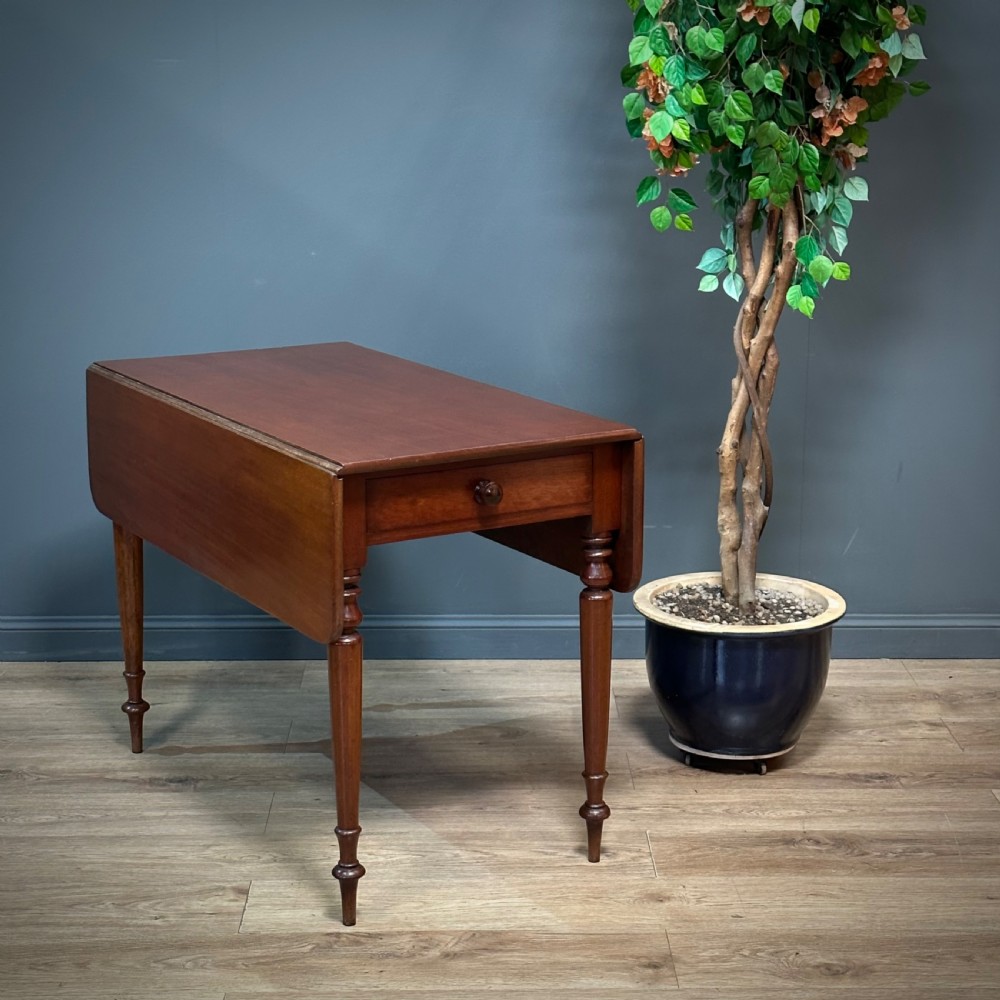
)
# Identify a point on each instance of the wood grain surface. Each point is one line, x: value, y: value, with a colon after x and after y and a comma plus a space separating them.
x: 262, y: 521
x: 866, y: 864
x: 331, y: 400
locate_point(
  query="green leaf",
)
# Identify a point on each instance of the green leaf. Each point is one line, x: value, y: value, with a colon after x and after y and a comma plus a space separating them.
x: 736, y: 134
x: 821, y: 268
x: 774, y: 81
x: 912, y: 49
x: 783, y: 177
x: 764, y: 160
x: 634, y: 105
x: 660, y: 125
x: 715, y: 40
x: 717, y: 122
x: 673, y: 107
x: 843, y: 211
x: 856, y: 188
x: 639, y: 50
x: 760, y: 187
x: 695, y: 40
x: 811, y: 20
x: 918, y: 14
x: 792, y: 112
x: 850, y: 42
x: 659, y: 40
x: 782, y: 14
x: 794, y: 296
x: 680, y: 201
x: 733, y: 286
x: 808, y: 158
x: 893, y: 45
x: 838, y: 237
x: 709, y: 283
x: 684, y: 222
x: 660, y: 217
x: 681, y: 130
x: 713, y: 261
x: 656, y: 65
x: 674, y: 72
x: 653, y: 6
x: 768, y: 134
x: 635, y: 127
x: 918, y: 87
x: 714, y: 94
x: 694, y: 71
x: 809, y: 286
x: 806, y: 250
x: 753, y: 76
x: 745, y: 48
x: 807, y: 306
x: 739, y: 107
x: 629, y: 75
x: 649, y: 189
x: 841, y: 271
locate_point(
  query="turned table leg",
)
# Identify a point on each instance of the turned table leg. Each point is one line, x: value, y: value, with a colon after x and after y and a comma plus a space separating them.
x: 344, y: 661
x: 128, y: 571
x: 596, y: 603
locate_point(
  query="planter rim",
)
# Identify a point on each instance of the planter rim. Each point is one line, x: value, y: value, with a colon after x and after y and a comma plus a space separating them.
x: 835, y: 605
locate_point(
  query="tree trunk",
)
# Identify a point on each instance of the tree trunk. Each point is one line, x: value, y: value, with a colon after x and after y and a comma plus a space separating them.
x: 745, y: 467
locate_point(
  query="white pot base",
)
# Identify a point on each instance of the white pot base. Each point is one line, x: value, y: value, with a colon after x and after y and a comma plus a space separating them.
x: 727, y: 756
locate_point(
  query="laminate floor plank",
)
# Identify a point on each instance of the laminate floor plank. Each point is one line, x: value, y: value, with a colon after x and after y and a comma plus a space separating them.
x: 125, y: 908
x: 352, y: 958
x: 852, y: 960
x: 69, y: 990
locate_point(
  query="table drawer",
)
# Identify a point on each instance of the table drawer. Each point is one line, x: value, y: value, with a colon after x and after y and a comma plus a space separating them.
x: 474, y: 497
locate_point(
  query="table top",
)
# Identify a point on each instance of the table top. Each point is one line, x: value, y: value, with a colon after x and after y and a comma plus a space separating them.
x: 332, y: 400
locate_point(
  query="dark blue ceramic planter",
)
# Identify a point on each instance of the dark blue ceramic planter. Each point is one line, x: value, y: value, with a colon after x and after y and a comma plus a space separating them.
x: 743, y: 692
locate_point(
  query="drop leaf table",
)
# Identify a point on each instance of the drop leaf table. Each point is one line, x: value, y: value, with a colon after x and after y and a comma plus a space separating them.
x: 272, y: 472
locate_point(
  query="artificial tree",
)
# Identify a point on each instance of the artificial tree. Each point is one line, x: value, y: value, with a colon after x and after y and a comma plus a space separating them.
x: 779, y: 94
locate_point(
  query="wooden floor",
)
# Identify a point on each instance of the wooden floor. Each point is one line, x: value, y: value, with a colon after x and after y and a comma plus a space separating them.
x: 866, y: 865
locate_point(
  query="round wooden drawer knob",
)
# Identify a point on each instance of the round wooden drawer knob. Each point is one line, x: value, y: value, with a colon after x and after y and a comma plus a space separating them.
x: 488, y: 492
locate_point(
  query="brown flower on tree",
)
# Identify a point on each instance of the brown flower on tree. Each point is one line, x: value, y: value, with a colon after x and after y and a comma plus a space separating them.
x: 877, y: 67
x: 850, y: 153
x: 835, y: 116
x: 656, y: 87
x: 749, y: 11
x: 899, y: 16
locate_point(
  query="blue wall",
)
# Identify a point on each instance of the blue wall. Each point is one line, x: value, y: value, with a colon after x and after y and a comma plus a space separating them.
x: 453, y: 182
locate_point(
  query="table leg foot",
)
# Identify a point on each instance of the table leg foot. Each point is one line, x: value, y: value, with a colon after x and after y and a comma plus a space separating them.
x: 128, y: 572
x: 347, y: 873
x: 596, y: 603
x: 345, y: 659
x: 595, y: 811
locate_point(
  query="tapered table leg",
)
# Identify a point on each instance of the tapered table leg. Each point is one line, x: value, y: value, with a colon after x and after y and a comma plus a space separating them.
x: 128, y: 571
x: 345, y: 660
x: 596, y: 602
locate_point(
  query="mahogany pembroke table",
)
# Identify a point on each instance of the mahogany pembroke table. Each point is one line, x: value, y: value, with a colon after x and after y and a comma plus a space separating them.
x: 272, y: 471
